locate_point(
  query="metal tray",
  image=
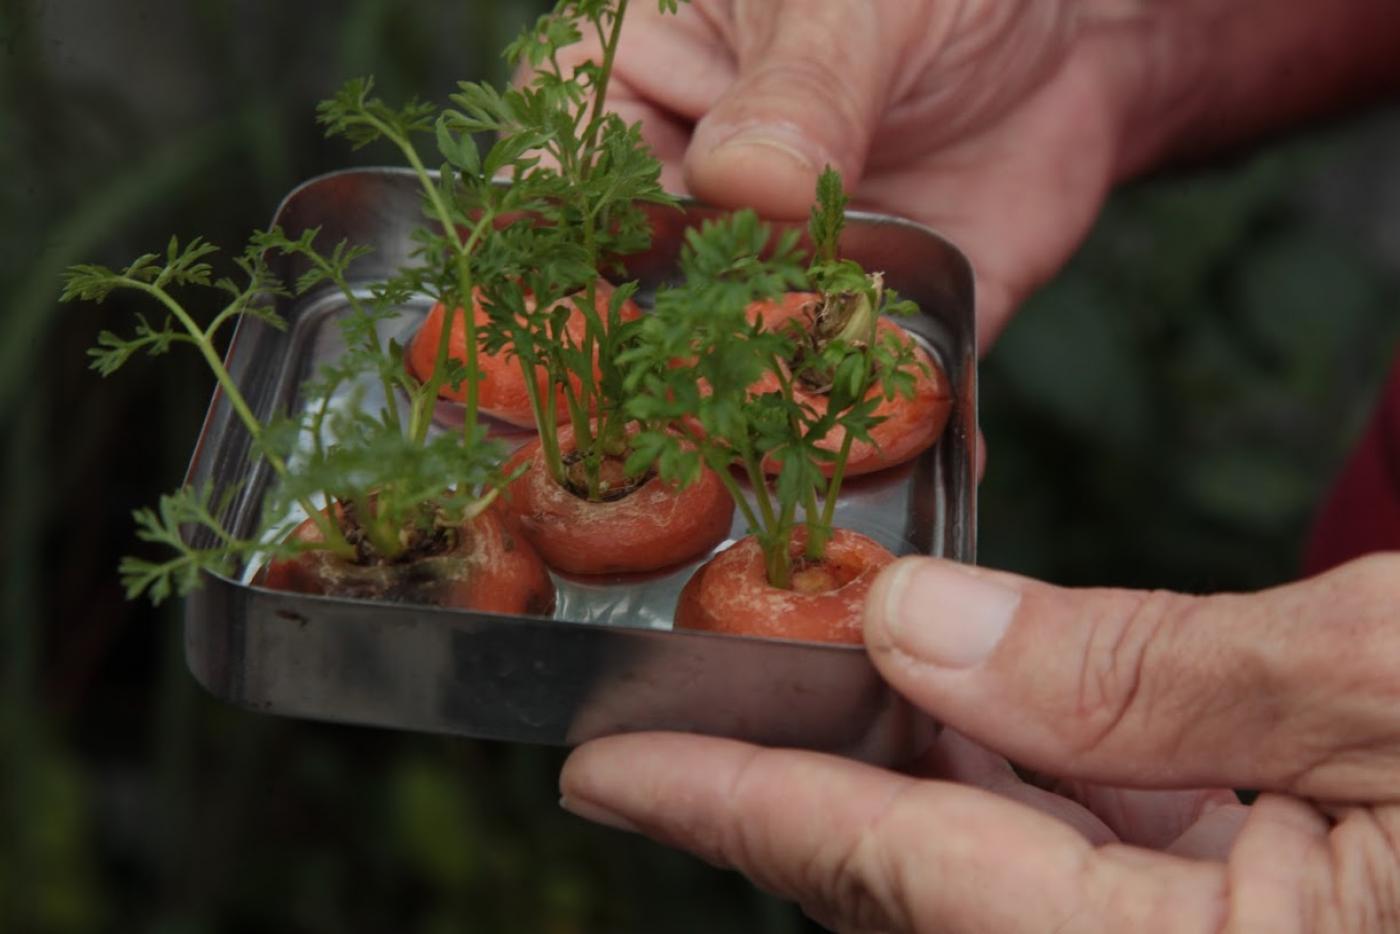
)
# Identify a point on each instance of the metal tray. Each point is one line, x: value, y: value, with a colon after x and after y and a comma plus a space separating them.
x: 607, y: 662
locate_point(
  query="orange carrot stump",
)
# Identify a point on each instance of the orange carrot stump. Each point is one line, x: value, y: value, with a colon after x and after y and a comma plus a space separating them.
x: 730, y: 593
x: 907, y: 425
x: 785, y: 404
x: 502, y: 392
x: 638, y: 524
x: 478, y: 565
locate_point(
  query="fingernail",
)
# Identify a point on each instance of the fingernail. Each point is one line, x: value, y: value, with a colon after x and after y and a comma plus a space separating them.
x: 598, y: 815
x: 937, y: 612
x: 780, y: 138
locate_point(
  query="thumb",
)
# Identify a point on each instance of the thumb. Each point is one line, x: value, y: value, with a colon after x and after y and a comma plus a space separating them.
x: 811, y: 84
x: 1294, y: 689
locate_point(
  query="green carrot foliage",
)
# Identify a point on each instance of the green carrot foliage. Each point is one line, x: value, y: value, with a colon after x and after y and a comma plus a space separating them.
x: 528, y: 224
x: 715, y: 387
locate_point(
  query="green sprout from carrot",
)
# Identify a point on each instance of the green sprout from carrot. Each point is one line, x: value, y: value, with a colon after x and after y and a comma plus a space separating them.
x: 705, y: 412
x: 583, y: 209
x: 586, y: 176
x: 320, y: 456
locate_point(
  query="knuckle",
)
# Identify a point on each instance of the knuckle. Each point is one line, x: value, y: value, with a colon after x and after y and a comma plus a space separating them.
x: 846, y: 111
x: 730, y: 843
x: 1343, y: 725
x: 816, y: 52
x: 853, y: 886
x: 840, y: 896
x: 1364, y: 857
x: 840, y: 880
x: 1371, y: 582
x: 1127, y: 677
x: 1362, y: 643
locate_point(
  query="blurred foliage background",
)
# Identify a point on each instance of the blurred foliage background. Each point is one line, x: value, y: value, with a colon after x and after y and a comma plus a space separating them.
x: 1165, y: 414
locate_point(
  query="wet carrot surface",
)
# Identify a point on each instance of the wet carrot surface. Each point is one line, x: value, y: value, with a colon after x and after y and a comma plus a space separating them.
x: 911, y: 425
x: 731, y: 593
x: 654, y: 526
x: 488, y: 569
x: 502, y: 391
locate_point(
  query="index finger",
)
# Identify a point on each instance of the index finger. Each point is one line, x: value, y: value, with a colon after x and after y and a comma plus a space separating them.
x: 1290, y: 689
x: 861, y: 848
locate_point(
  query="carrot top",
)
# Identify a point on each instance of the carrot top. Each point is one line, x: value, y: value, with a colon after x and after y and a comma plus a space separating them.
x: 385, y: 468
x: 578, y: 177
x: 393, y: 483
x: 708, y: 413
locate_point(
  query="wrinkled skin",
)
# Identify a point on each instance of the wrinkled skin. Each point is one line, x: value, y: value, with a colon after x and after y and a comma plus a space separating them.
x: 953, y: 114
x: 1003, y: 124
x: 1295, y: 691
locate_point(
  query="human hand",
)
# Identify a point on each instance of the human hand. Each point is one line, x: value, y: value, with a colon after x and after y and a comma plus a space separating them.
x: 997, y: 122
x: 1000, y: 123
x: 1294, y: 691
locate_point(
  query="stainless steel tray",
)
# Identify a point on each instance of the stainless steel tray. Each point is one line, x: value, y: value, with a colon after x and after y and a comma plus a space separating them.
x: 607, y: 662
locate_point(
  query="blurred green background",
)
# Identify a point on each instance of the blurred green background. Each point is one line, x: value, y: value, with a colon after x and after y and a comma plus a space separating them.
x: 1165, y: 414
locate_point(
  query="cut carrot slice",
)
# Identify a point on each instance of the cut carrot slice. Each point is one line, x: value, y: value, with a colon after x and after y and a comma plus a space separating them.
x: 653, y: 526
x: 502, y: 392
x: 731, y: 594
x: 911, y: 425
x: 489, y: 569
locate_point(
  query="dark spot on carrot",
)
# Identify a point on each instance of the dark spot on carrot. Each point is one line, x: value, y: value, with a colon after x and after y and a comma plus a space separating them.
x: 540, y: 602
x: 821, y: 576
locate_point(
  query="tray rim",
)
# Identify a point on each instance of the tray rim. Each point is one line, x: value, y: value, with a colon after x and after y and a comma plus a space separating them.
x: 686, y: 203
x: 247, y: 596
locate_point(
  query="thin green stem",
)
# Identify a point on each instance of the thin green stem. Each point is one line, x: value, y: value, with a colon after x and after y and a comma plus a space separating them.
x: 754, y: 470
x: 590, y: 395
x: 780, y: 565
x: 818, y: 531
x: 776, y: 559
x: 211, y: 357
x: 833, y: 488
x: 737, y: 494
x: 545, y: 421
x: 838, y: 473
x: 381, y: 539
x: 450, y: 310
x: 231, y: 310
x: 588, y: 388
x: 410, y: 153
x: 318, y: 421
x: 471, y: 402
x: 816, y: 539
x: 329, y: 531
x: 583, y: 436
x: 605, y: 72
x: 787, y: 517
x: 718, y: 459
x: 426, y: 395
x: 390, y: 408
x: 480, y: 504
x: 578, y: 413
x: 467, y: 308
x: 464, y: 283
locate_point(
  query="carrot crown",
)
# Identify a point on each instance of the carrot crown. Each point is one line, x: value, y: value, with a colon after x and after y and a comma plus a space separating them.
x: 715, y: 386
x: 386, y: 467
x: 578, y: 179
